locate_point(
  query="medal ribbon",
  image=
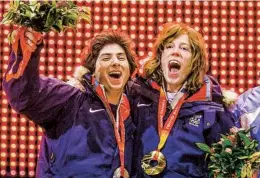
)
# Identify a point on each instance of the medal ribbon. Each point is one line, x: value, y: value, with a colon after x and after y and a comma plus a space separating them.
x: 123, y: 112
x: 164, y: 130
x: 26, y: 51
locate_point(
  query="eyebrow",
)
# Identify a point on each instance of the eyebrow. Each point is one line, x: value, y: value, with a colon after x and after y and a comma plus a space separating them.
x: 108, y: 54
x: 105, y: 54
x: 185, y: 44
x: 120, y: 54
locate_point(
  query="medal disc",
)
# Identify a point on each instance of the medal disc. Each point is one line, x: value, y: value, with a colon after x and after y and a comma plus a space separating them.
x: 151, y: 166
x: 117, y: 173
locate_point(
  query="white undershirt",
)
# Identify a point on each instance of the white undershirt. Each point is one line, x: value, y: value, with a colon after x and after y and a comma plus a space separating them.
x: 171, y: 96
x: 174, y: 97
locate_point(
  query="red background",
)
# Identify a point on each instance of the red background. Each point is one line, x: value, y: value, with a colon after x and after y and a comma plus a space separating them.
x: 231, y: 30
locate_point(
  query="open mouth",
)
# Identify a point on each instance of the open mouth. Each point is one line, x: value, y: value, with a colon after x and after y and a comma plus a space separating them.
x: 115, y: 75
x: 174, y: 66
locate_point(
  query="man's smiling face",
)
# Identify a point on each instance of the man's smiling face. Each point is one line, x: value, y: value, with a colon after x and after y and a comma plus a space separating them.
x: 112, y: 67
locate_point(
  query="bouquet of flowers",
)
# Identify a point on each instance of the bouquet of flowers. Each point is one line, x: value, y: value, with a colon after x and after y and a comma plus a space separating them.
x: 234, y: 156
x: 41, y: 16
x: 44, y: 16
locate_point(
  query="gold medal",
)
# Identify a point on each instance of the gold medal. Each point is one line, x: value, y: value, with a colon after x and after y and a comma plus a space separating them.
x: 117, y: 173
x: 155, y: 162
x: 148, y: 160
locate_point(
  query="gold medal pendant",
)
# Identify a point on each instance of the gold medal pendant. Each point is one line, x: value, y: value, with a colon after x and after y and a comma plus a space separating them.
x: 117, y: 173
x: 148, y: 161
x: 155, y: 162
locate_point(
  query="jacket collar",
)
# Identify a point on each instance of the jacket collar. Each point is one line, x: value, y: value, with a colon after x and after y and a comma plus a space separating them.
x: 203, y: 94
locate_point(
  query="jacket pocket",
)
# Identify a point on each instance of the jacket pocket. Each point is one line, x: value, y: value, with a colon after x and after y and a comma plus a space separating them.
x: 209, y: 119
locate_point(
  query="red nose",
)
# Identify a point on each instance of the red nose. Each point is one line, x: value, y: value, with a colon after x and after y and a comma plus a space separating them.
x: 175, y: 53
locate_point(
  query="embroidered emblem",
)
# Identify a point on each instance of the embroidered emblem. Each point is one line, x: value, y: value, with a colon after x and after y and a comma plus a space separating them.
x: 195, y: 120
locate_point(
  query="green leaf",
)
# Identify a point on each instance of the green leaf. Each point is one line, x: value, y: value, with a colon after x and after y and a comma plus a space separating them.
x: 245, y: 139
x: 227, y: 143
x: 58, y: 26
x: 11, y: 4
x: 213, y: 166
x: 253, y: 145
x: 32, y: 2
x: 219, y: 176
x: 7, y: 18
x: 28, y: 13
x: 225, y: 154
x: 85, y: 9
x: 50, y: 17
x: 203, y: 147
x: 243, y: 157
x: 73, y: 16
x: 34, y: 5
x: 14, y: 4
x: 71, y: 4
x: 65, y: 21
x: 53, y: 3
x: 85, y: 17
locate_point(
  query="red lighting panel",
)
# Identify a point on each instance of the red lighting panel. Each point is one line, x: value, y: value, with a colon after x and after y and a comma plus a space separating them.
x: 231, y: 30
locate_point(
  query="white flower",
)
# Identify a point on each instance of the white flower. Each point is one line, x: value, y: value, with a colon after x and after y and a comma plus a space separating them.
x: 229, y: 96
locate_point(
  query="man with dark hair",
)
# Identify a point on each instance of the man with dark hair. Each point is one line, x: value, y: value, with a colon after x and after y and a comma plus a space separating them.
x: 86, y: 134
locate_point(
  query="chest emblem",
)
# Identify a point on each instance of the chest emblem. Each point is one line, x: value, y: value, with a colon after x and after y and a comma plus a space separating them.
x: 195, y: 120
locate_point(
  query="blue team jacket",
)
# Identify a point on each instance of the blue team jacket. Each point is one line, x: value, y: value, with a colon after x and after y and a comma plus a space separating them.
x: 78, y: 138
x: 202, y: 120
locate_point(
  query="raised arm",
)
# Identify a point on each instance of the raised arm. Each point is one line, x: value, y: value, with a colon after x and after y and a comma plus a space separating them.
x: 39, y: 98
